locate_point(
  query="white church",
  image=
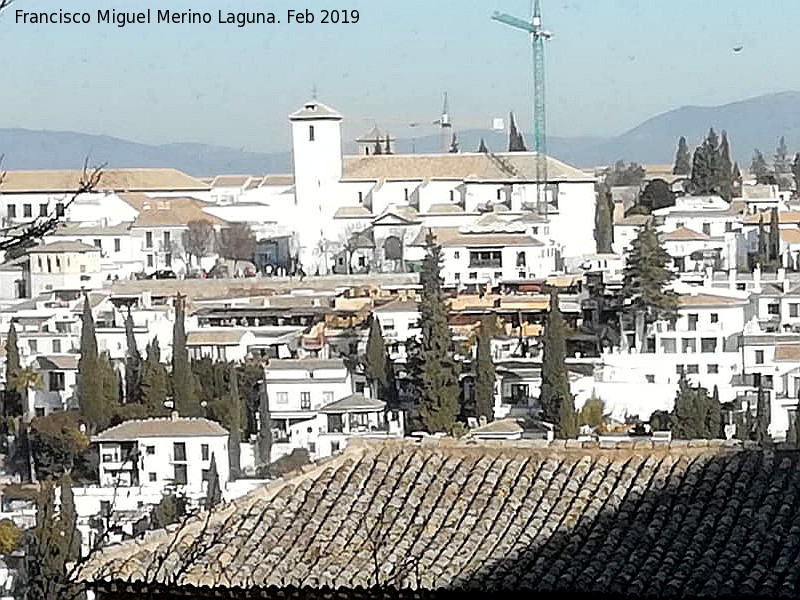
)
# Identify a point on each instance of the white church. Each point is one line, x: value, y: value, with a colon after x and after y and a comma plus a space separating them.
x: 480, y: 206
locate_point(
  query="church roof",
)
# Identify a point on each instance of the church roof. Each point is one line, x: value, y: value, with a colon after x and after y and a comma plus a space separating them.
x: 517, y: 166
x: 601, y: 519
x: 314, y: 110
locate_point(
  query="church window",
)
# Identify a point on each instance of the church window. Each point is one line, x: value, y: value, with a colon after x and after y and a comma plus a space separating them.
x: 310, y: 133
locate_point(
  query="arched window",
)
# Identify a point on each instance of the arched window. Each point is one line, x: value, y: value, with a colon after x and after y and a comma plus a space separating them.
x: 393, y: 248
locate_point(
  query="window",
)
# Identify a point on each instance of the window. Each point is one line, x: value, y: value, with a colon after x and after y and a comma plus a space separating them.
x: 105, y: 507
x: 794, y: 309
x: 150, y: 450
x: 759, y: 357
x: 456, y: 254
x: 707, y: 228
x: 204, y: 451
x: 327, y: 397
x: 33, y: 345
x: 151, y: 476
x: 180, y: 475
x: 457, y: 276
x: 148, y: 239
x: 650, y: 378
x: 713, y: 369
x: 491, y: 259
x: 282, y: 397
x: 83, y: 268
x: 773, y: 309
x: 56, y: 381
x: 452, y: 196
x: 498, y: 274
x: 362, y: 261
x: 166, y: 239
x: 361, y: 197
x: 49, y: 265
x: 388, y: 324
x: 334, y: 446
x: 522, y: 274
x: 60, y: 209
x: 43, y: 210
x: 56, y: 346
x: 688, y: 345
x: 521, y: 259
x: 473, y: 275
x: 499, y: 194
x: 98, y: 243
x: 149, y: 260
x: 692, y: 369
x: 405, y: 194
x: 27, y: 210
x: 728, y: 226
x: 310, y: 133
x: 312, y: 448
x: 715, y: 317
x: 168, y: 259
x: 12, y: 211
x: 679, y: 369
x: 205, y: 474
x: 179, y: 451
x: 708, y: 345
x: 693, y: 322
x: 335, y: 424
x: 305, y: 400
x: 668, y: 345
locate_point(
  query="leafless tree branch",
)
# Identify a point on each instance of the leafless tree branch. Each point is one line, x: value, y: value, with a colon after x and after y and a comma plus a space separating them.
x: 4, y: 4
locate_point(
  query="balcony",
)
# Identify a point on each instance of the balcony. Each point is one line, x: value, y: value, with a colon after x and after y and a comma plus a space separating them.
x: 486, y: 264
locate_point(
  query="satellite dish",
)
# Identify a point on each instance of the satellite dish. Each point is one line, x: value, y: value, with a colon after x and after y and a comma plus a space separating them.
x: 498, y: 124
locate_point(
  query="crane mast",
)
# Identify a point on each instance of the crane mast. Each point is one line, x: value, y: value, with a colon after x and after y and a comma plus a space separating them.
x: 538, y: 36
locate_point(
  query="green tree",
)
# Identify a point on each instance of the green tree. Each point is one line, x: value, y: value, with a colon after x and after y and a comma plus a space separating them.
x: 622, y: 174
x: 214, y: 490
x: 133, y: 365
x: 516, y: 143
x: 655, y: 195
x: 169, y: 511
x: 781, y: 163
x: 592, y: 413
x: 434, y: 373
x: 724, y: 170
x: 646, y: 280
x: 759, y: 167
x: 265, y: 428
x: 375, y: 359
x: 736, y: 180
x: 184, y: 387
x: 91, y: 379
x: 484, y: 370
x: 69, y: 519
x: 22, y: 381
x: 155, y: 381
x: 761, y: 433
x: 604, y: 220
x: 235, y: 426
x: 56, y: 443
x: 683, y: 160
x: 555, y: 398
x: 774, y: 237
x: 714, y: 416
x: 12, y: 400
x: 763, y: 244
x: 687, y: 416
x: 796, y: 174
x: 10, y: 536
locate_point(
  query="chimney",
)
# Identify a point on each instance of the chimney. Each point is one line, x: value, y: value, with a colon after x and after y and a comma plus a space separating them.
x: 173, y: 416
x: 367, y: 393
x: 757, y: 277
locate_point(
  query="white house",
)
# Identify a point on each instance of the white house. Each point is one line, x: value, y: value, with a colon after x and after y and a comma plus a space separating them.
x: 399, y: 320
x: 58, y: 380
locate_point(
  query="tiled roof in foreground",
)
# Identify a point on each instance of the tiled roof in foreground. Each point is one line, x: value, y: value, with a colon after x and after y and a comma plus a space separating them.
x: 689, y: 519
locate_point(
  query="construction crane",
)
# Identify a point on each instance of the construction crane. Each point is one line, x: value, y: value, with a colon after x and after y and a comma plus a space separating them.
x: 538, y: 36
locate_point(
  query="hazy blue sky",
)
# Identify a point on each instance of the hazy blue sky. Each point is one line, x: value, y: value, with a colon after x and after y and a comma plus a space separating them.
x: 611, y: 64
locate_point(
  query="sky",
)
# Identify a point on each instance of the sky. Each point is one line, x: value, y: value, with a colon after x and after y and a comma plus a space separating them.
x: 610, y: 65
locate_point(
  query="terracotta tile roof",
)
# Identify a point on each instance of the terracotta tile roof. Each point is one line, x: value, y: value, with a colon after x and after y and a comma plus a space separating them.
x: 633, y: 221
x: 787, y: 352
x: 78, y: 229
x: 215, y: 337
x: 279, y: 180
x: 163, y: 427
x: 444, y: 209
x: 118, y: 180
x: 684, y: 234
x: 58, y: 362
x: 689, y: 519
x: 309, y: 364
x: 231, y: 181
x: 353, y: 403
x: 520, y: 166
x: 352, y: 212
x: 454, y: 237
x: 398, y: 305
x: 315, y: 110
x: 169, y: 212
x: 686, y: 300
x: 64, y: 246
x: 785, y: 217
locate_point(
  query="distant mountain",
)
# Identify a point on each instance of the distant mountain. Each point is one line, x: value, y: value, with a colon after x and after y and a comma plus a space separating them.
x: 27, y: 149
x: 754, y: 123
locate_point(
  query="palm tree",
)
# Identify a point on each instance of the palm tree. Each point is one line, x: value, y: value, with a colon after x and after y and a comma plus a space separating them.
x: 23, y: 381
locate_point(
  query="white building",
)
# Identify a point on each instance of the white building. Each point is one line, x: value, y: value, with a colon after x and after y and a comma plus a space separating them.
x: 399, y: 320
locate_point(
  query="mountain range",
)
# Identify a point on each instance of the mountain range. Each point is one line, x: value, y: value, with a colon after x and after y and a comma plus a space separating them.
x: 754, y: 123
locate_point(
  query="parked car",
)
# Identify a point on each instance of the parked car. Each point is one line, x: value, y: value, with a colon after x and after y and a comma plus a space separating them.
x: 162, y: 274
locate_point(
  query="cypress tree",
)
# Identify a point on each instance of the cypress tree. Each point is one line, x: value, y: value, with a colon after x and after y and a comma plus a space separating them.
x: 375, y: 359
x: 378, y: 149
x: 12, y: 405
x: 391, y: 396
x: 555, y: 399
x: 453, y: 144
x: 736, y: 180
x: 724, y: 169
x: 69, y: 519
x: 683, y: 161
x: 435, y: 377
x: 516, y: 143
x: 184, y: 391
x: 265, y: 428
x: 714, y: 416
x: 484, y: 371
x: 483, y: 148
x: 762, y: 416
x: 388, y: 148
x: 686, y: 424
x: 646, y: 281
x: 91, y: 376
x: 154, y: 381
x: 774, y: 237
x: 213, y: 489
x: 603, y: 221
x: 133, y: 365
x: 702, y: 180
x: 234, y: 449
x: 781, y: 164
x: 796, y: 174
x: 791, y: 432
x: 763, y: 244
x: 759, y: 167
